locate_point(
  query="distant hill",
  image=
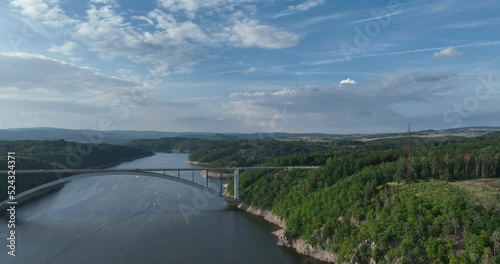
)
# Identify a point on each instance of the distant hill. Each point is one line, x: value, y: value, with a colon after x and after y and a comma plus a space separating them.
x: 172, y: 144
x: 87, y: 135
x: 123, y: 136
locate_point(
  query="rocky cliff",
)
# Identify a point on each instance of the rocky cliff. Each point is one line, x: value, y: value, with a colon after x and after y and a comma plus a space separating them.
x: 298, y: 244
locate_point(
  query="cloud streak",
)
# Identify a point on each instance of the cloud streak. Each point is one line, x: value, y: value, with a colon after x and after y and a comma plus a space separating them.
x: 302, y: 7
x: 337, y: 60
x: 473, y: 24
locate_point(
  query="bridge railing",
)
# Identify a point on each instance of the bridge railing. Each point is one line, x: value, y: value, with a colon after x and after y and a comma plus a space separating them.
x: 235, y: 172
x: 162, y: 169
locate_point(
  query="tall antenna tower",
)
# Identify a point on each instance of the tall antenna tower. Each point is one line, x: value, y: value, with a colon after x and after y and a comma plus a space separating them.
x: 408, y: 155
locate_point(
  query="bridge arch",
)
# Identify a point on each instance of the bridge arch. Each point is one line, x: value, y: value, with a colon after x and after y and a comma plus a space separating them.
x: 85, y: 173
x: 57, y: 184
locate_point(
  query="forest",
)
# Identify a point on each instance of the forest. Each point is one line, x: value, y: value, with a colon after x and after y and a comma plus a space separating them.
x: 60, y: 154
x: 360, y: 205
x: 243, y: 153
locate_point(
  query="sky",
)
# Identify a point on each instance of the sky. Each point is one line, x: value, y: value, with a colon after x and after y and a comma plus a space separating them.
x: 250, y: 66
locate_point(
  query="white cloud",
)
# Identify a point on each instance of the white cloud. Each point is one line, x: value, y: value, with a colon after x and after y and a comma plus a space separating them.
x: 168, y: 48
x: 169, y: 41
x: 68, y: 48
x: 185, y: 103
x: 168, y: 45
x: 189, y: 6
x: 104, y: 30
x: 48, y: 12
x: 347, y: 81
x: 102, y: 1
x: 306, y: 5
x: 448, y: 52
x: 192, y: 7
x: 369, y: 104
x: 172, y: 30
x: 143, y: 18
x: 250, y: 70
x: 256, y: 95
x: 250, y: 33
x: 210, y: 7
x: 250, y: 114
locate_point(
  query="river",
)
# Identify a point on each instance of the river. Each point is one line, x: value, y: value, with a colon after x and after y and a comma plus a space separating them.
x: 129, y: 218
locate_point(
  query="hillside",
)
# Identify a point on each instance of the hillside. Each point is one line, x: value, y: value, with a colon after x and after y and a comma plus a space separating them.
x: 123, y: 136
x: 250, y: 152
x: 482, y: 192
x: 359, y: 206
x: 89, y: 135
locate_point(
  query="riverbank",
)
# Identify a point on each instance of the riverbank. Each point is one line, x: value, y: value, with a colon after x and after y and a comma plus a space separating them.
x: 215, y: 174
x: 198, y: 163
x: 211, y: 174
x: 300, y: 245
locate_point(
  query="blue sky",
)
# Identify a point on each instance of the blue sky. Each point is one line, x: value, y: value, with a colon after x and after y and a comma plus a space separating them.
x: 249, y: 65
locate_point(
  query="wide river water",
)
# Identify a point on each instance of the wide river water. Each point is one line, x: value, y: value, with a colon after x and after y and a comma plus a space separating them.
x: 128, y: 218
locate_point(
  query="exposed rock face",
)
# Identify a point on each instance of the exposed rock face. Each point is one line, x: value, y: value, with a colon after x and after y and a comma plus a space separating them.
x: 298, y: 244
x: 268, y: 215
x: 303, y: 248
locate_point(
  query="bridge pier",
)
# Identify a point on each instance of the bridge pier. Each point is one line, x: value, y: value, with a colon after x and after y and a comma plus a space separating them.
x: 150, y: 171
x: 221, y: 187
x: 236, y: 183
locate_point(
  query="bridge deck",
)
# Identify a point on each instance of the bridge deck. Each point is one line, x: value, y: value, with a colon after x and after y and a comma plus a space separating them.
x: 162, y: 169
x: 83, y: 173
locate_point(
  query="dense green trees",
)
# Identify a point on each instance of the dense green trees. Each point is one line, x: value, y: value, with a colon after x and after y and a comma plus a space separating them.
x: 359, y: 205
x: 251, y: 152
x: 61, y: 153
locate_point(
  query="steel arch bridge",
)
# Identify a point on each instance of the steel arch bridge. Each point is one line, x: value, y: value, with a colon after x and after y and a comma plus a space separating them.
x: 173, y: 174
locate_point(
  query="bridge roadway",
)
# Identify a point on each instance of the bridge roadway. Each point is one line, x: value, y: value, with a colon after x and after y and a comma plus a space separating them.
x: 151, y: 172
x: 163, y: 169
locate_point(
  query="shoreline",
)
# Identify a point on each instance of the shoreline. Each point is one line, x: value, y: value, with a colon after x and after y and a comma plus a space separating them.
x: 300, y: 245
x: 211, y: 174
x: 197, y: 163
x: 216, y: 175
